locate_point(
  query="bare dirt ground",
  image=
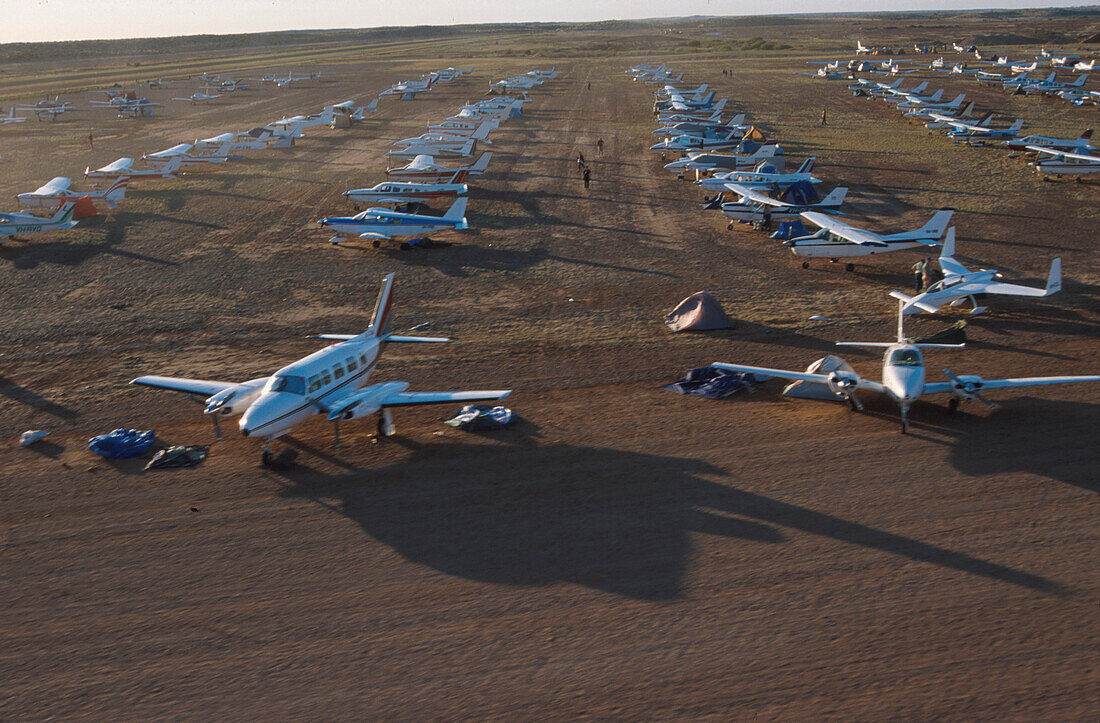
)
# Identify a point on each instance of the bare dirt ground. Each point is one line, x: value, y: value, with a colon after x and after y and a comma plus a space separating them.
x: 621, y: 552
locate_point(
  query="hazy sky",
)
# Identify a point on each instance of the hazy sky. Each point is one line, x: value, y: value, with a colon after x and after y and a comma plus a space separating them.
x: 84, y: 19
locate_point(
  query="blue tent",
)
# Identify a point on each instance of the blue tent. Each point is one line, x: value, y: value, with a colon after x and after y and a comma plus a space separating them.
x: 787, y: 230
x: 800, y: 193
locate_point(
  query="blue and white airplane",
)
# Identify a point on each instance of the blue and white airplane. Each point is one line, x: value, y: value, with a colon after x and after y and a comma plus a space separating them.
x: 972, y: 131
x: 379, y: 224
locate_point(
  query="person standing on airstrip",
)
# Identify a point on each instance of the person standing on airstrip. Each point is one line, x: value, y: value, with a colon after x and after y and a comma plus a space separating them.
x: 587, y: 175
x: 824, y: 122
x: 918, y: 274
x: 599, y: 146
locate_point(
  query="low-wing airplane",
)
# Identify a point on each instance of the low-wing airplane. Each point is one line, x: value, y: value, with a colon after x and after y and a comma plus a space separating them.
x: 447, y: 140
x: 24, y: 223
x: 394, y: 192
x: 378, y: 224
x: 423, y: 168
x: 903, y: 378
x: 1081, y: 144
x: 704, y: 162
x: 47, y: 109
x: 198, y: 98
x: 960, y: 283
x: 1063, y: 163
x: 408, y: 89
x: 764, y: 175
x: 755, y: 206
x: 736, y: 124
x: 838, y: 240
x: 123, y: 168
x: 57, y: 191
x: 229, y: 142
x: 464, y: 128
x: 332, y: 381
x: 972, y: 131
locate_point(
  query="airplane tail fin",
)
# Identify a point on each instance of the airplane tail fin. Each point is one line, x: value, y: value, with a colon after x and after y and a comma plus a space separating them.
x: 908, y: 302
x: 64, y: 212
x: 1054, y: 280
x: 380, y: 321
x: 968, y: 111
x: 807, y: 165
x: 948, y: 250
x: 481, y: 164
x: 1080, y: 80
x: 1085, y: 136
x: 737, y: 120
x: 985, y: 119
x: 718, y: 110
x: 1016, y: 126
x: 957, y: 101
x: 457, y: 213
x: 935, y: 97
x: 765, y: 152
x: 919, y: 89
x: 938, y: 223
x: 835, y: 197
x: 482, y: 132
x: 117, y: 191
x: 709, y: 98
x: 172, y: 165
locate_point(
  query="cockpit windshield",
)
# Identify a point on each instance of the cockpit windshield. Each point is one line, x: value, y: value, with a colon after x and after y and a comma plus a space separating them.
x: 905, y: 358
x: 292, y: 385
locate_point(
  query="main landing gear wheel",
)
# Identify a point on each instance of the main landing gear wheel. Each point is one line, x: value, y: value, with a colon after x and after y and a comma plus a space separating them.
x: 376, y: 242
x: 729, y: 226
x: 952, y: 405
x: 850, y: 267
x: 805, y: 264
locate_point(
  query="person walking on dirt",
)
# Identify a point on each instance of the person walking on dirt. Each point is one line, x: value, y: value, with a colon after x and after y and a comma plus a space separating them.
x: 587, y: 175
x: 599, y: 146
x: 91, y: 142
x: 918, y: 274
x: 766, y: 224
x: 824, y: 122
x: 580, y: 160
x: 589, y: 85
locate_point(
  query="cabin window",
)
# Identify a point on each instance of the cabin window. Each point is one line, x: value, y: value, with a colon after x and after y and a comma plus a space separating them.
x: 291, y: 385
x: 363, y: 359
x: 350, y: 363
x: 314, y: 383
x: 905, y: 358
x: 338, y: 371
x: 327, y: 378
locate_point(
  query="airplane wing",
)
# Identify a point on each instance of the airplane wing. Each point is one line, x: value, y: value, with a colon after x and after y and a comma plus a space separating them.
x: 755, y: 196
x: 797, y: 376
x: 940, y: 387
x: 843, y: 230
x: 57, y: 185
x: 405, y: 399
x: 951, y: 267
x: 122, y: 164
x: 1012, y: 290
x: 1065, y: 154
x: 187, y: 386
x: 423, y: 162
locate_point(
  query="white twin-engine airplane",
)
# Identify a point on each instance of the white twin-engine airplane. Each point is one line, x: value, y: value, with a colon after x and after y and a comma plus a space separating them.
x: 331, y: 381
x: 837, y: 239
x: 379, y: 224
x: 124, y: 168
x: 57, y: 191
x: 199, y: 98
x: 903, y: 377
x: 960, y: 283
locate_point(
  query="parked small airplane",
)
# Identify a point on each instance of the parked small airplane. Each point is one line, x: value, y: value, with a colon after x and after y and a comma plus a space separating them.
x: 974, y: 131
x: 1064, y: 163
x: 24, y: 223
x: 392, y: 192
x: 960, y: 283
x: 424, y: 169
x: 47, y: 109
x: 448, y: 140
x: 1080, y: 144
x: 330, y: 381
x: 229, y: 142
x: 754, y: 205
x: 199, y: 98
x: 123, y: 168
x: 706, y: 162
x: 57, y: 191
x: 838, y: 240
x: 764, y: 175
x: 186, y: 159
x: 903, y: 377
x: 442, y: 149
x: 379, y: 224
x: 408, y: 89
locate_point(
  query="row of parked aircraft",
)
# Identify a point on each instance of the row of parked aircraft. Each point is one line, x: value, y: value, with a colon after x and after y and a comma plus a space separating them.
x: 766, y: 193
x: 333, y: 380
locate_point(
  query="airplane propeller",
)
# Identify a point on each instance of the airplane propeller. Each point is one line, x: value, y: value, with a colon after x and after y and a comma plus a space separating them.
x: 970, y: 388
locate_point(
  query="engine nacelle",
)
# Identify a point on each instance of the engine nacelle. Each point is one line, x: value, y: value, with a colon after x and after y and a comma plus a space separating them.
x: 842, y: 384
x: 364, y: 402
x: 967, y: 387
x: 236, y: 399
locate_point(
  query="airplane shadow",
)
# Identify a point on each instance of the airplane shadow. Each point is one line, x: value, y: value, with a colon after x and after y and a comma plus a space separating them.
x: 18, y: 393
x: 66, y: 253
x: 620, y: 522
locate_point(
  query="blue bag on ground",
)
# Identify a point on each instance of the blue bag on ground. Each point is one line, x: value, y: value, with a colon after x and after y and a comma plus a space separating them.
x: 481, y: 418
x: 713, y: 383
x: 122, y: 443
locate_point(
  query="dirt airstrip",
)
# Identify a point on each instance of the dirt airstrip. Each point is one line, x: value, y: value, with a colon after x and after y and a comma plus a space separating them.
x: 622, y: 551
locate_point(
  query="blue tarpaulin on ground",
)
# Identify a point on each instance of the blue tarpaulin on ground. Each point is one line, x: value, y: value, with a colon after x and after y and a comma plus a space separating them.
x: 799, y: 193
x: 122, y: 443
x: 713, y: 383
x: 790, y: 229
